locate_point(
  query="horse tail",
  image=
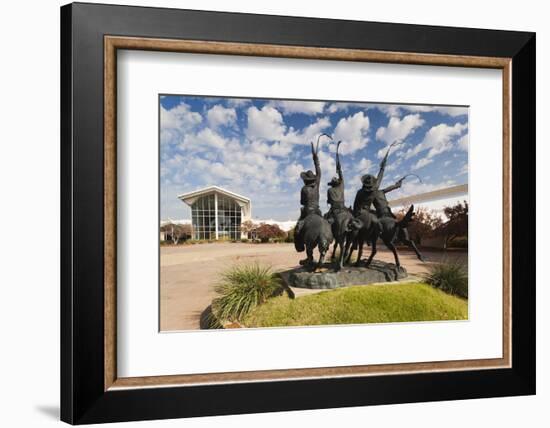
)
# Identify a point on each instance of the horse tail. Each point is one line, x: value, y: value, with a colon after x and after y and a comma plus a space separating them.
x: 404, y: 222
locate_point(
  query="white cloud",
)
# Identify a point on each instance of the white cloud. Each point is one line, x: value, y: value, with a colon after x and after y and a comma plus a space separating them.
x: 179, y: 117
x: 422, y: 163
x: 463, y: 142
x: 279, y: 149
x: 305, y: 107
x: 221, y: 116
x: 265, y: 124
x: 238, y: 102
x: 204, y: 139
x: 364, y: 165
x: 392, y: 110
x: 398, y: 129
x: 292, y: 172
x: 437, y: 140
x: 327, y: 162
x: 220, y: 170
x: 335, y: 107
x: 352, y: 131
x: 309, y: 133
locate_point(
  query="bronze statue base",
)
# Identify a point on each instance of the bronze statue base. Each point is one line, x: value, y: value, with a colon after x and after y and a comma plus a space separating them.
x: 327, y: 278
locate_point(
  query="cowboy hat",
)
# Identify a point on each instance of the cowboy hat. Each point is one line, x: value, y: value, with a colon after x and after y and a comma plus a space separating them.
x: 368, y: 180
x: 308, y: 176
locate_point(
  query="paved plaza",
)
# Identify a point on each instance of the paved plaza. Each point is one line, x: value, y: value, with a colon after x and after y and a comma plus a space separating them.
x: 190, y: 272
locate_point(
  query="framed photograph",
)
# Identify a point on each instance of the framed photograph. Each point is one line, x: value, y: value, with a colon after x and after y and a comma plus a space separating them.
x: 267, y: 213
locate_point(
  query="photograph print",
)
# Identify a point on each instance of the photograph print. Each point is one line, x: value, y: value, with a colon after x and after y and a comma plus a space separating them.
x: 295, y: 213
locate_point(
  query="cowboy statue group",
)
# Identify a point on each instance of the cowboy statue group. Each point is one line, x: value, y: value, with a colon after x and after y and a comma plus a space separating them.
x: 370, y: 218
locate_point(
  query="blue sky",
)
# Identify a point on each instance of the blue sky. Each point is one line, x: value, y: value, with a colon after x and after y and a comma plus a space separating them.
x: 258, y: 148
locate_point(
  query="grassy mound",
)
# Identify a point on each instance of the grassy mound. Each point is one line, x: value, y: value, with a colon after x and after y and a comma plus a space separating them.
x: 358, y: 305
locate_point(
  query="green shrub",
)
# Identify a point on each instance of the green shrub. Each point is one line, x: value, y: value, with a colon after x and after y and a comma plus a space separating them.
x: 242, y: 288
x: 290, y: 236
x: 449, y: 276
x: 459, y: 242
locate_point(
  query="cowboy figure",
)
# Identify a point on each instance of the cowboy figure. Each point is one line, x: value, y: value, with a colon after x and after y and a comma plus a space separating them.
x: 371, y: 194
x: 309, y: 195
x: 335, y: 193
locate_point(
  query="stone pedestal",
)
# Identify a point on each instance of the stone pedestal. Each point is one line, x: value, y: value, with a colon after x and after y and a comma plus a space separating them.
x: 349, y: 275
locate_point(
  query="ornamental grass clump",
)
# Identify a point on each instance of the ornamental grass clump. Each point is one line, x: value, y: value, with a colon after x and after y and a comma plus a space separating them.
x: 450, y: 277
x: 241, y: 289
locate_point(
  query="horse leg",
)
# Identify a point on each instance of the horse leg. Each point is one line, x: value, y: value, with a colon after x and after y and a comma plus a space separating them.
x: 390, y: 245
x: 372, y: 253
x: 334, y: 251
x: 342, y: 251
x: 339, y: 263
x: 309, y: 252
x: 359, y: 251
x: 322, y: 252
x: 349, y: 249
x: 411, y: 244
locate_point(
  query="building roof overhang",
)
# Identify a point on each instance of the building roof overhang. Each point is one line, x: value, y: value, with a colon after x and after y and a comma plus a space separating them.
x: 190, y: 197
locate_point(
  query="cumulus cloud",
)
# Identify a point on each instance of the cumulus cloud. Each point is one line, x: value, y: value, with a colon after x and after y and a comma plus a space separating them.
x: 364, y: 165
x: 304, y: 107
x: 175, y: 122
x: 180, y: 117
x: 463, y: 142
x: 309, y: 133
x: 269, y: 134
x: 352, y: 131
x: 437, y: 140
x: 422, y: 163
x: 238, y: 102
x: 220, y: 116
x: 279, y: 149
x: 265, y: 124
x: 292, y: 172
x: 398, y: 129
x: 204, y: 139
x: 335, y: 107
x: 444, y: 110
x: 392, y: 110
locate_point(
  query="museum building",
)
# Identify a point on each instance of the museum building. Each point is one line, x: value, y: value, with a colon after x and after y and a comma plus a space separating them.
x: 217, y: 213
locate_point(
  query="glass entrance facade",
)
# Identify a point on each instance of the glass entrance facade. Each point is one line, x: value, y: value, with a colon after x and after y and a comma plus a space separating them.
x: 203, y: 215
x: 229, y: 218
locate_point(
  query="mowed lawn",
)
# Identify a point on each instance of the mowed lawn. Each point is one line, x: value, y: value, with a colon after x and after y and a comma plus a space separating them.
x: 362, y: 304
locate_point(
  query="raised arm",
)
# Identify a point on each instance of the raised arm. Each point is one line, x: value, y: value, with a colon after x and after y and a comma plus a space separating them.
x: 339, y: 165
x: 317, y: 164
x: 380, y: 176
x: 397, y: 185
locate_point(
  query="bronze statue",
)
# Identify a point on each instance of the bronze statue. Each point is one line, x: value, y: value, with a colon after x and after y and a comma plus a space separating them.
x: 350, y: 228
x: 371, y: 194
x: 385, y: 225
x: 338, y: 215
x: 312, y: 229
x: 367, y: 227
